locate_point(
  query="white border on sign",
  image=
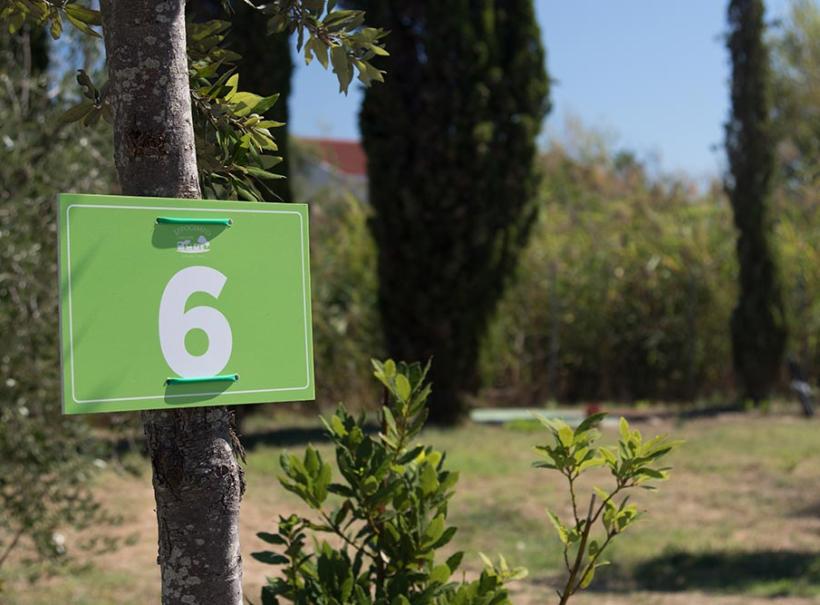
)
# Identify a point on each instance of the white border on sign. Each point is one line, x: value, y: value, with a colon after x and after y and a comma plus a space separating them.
x: 188, y: 209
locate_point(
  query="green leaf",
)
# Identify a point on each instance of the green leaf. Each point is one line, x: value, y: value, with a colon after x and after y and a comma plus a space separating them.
x: 270, y: 558
x: 563, y: 534
x: 312, y: 461
x: 403, y: 387
x: 86, y: 15
x: 269, y: 161
x: 623, y: 427
x: 440, y: 573
x: 428, y: 478
x: 232, y: 84
x: 262, y: 174
x: 76, y: 113
x: 444, y: 538
x: 56, y: 28
x: 269, y: 596
x: 389, y: 420
x: 319, y: 49
x: 341, y: 490
x: 389, y: 368
x: 591, y: 463
x: 589, y: 422
x: 278, y: 24
x: 337, y: 426
x: 79, y: 24
x: 343, y: 19
x: 245, y: 102
x: 566, y: 435
x: 454, y: 561
x: 602, y: 495
x: 264, y: 104
x: 370, y: 486
x: 341, y: 67
x: 271, y: 538
x: 652, y: 473
x: 270, y: 124
x: 411, y: 455
x: 435, y: 529
x: 588, y: 576
x: 610, y: 457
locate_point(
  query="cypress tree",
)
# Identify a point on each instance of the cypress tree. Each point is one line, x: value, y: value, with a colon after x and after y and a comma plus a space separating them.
x: 450, y: 140
x: 758, y: 327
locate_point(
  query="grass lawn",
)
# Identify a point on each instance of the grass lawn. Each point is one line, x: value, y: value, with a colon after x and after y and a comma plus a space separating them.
x: 738, y: 523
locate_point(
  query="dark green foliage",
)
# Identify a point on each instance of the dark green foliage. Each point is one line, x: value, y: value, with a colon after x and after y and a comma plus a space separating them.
x: 450, y: 139
x: 266, y: 68
x: 796, y: 102
x: 758, y: 323
x: 28, y: 48
x: 387, y: 512
x: 235, y: 146
x: 47, y: 461
x: 624, y: 291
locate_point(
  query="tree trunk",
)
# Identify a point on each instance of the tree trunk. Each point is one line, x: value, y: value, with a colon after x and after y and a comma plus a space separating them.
x: 197, y: 480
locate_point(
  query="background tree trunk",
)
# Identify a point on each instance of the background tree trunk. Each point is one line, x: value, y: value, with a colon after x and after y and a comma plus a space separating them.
x: 197, y: 480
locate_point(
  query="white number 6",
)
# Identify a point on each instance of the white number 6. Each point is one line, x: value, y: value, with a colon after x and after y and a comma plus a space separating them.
x: 175, y: 323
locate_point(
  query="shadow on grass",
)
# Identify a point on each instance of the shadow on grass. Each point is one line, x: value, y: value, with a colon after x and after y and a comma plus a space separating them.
x: 765, y: 573
x: 810, y: 510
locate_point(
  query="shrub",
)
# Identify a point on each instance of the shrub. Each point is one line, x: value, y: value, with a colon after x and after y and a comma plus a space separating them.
x: 346, y: 327
x: 378, y: 540
x: 390, y: 517
x: 632, y: 464
x: 627, y: 287
x: 624, y: 292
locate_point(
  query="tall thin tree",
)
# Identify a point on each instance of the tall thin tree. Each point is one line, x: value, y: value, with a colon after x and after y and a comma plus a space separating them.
x: 450, y: 142
x: 758, y: 326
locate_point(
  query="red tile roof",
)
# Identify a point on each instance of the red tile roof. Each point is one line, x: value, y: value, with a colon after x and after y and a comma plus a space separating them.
x: 347, y: 157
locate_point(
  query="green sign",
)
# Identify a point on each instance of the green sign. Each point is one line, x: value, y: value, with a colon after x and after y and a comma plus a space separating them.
x: 181, y: 303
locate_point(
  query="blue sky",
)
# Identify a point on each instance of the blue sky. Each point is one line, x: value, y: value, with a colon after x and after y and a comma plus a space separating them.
x: 651, y: 74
